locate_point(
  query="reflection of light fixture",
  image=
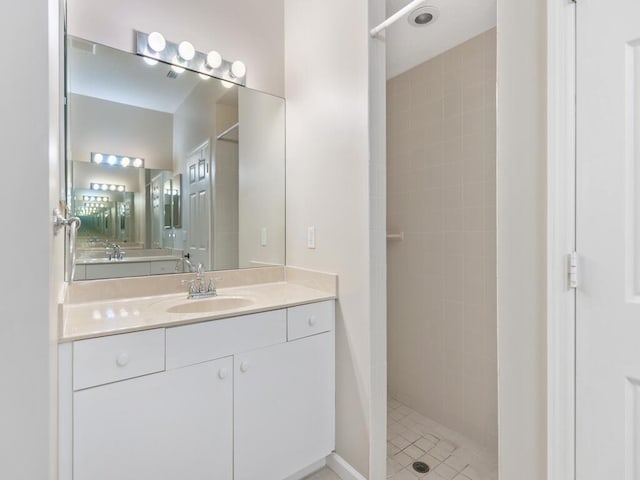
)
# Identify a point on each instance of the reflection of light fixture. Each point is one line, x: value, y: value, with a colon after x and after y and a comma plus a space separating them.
x: 177, y: 69
x: 226, y: 84
x: 183, y: 56
x: 116, y: 160
x: 186, y: 51
x: 238, y: 69
x: 105, y: 187
x: 156, y: 42
x: 150, y: 61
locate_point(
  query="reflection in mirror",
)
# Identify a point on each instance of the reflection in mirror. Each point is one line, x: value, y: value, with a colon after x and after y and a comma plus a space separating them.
x: 191, y: 169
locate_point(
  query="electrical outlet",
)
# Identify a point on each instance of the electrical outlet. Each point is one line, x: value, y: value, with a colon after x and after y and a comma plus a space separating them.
x: 263, y: 236
x: 311, y: 237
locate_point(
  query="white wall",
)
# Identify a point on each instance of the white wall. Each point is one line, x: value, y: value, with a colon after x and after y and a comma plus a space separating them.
x: 261, y: 174
x: 521, y: 193
x: 247, y: 30
x: 31, y: 275
x: 97, y: 125
x: 327, y: 96
x: 442, y: 277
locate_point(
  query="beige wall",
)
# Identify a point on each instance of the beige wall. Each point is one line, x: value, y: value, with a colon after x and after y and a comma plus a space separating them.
x: 225, y: 205
x: 521, y: 234
x: 261, y: 175
x: 327, y: 85
x: 442, y: 278
x: 247, y: 30
x: 97, y: 125
x: 32, y: 271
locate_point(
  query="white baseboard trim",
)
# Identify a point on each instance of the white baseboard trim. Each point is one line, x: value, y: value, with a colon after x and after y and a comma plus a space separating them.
x: 305, y: 472
x: 342, y: 468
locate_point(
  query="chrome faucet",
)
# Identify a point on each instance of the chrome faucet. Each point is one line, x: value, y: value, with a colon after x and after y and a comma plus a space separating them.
x: 198, y: 287
x: 114, y: 251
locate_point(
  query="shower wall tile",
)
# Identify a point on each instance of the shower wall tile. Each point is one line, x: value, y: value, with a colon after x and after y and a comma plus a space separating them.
x: 441, y: 192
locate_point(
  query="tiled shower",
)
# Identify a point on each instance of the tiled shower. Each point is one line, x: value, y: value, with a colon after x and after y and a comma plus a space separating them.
x: 441, y: 194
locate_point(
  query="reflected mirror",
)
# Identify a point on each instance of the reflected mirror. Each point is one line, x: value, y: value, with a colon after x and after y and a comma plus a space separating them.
x: 170, y: 169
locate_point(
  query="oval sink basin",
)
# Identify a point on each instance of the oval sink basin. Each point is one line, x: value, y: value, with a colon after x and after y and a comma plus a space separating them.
x: 213, y: 304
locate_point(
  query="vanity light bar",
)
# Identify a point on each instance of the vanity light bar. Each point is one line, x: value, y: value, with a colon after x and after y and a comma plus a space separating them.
x: 106, y: 187
x: 116, y: 160
x: 88, y: 198
x: 183, y: 55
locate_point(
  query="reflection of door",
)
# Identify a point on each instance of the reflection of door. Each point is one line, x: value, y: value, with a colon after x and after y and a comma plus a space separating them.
x: 608, y: 241
x: 199, y: 193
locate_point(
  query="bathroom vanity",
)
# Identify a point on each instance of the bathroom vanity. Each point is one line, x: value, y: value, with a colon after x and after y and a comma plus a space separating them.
x: 158, y: 387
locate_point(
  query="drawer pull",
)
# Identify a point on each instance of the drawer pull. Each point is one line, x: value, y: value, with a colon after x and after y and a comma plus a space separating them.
x: 244, y: 367
x: 312, y: 321
x: 122, y: 359
x: 222, y: 373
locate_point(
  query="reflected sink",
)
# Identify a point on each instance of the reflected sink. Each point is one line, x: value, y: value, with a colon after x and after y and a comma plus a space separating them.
x: 213, y: 304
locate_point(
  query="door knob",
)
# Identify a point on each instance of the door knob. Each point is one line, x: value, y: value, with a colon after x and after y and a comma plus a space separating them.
x: 222, y: 373
x: 312, y: 321
x: 244, y: 366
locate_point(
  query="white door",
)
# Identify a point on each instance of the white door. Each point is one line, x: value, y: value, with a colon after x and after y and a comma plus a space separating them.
x: 167, y: 426
x: 608, y: 240
x: 199, y: 204
x: 284, y: 408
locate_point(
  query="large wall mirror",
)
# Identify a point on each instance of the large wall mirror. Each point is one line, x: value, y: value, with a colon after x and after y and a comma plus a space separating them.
x: 170, y: 169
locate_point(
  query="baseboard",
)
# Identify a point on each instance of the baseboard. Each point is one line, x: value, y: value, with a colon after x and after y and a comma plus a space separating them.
x: 305, y: 472
x: 342, y: 468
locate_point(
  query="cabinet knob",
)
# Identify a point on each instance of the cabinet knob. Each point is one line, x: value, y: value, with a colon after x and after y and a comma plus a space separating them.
x: 312, y: 320
x: 122, y: 359
x: 222, y: 373
x: 244, y: 366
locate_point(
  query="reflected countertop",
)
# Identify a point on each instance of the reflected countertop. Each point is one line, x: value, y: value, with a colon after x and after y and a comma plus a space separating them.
x: 132, y: 259
x: 107, y: 317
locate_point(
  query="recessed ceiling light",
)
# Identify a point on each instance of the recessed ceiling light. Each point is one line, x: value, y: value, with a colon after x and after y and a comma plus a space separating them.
x: 423, y: 16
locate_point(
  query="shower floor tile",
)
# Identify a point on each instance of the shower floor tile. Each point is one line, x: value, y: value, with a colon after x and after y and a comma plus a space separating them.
x: 448, y: 456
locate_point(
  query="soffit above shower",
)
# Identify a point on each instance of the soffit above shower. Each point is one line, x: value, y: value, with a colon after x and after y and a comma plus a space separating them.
x: 459, y: 20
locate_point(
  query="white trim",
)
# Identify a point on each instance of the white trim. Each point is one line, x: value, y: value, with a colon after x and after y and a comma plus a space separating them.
x: 65, y: 411
x: 305, y: 472
x: 342, y: 468
x: 561, y: 222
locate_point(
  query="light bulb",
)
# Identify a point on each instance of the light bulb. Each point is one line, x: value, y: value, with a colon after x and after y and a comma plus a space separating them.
x: 156, y: 42
x: 177, y: 69
x: 186, y: 50
x: 125, y: 161
x: 226, y: 84
x: 137, y: 162
x: 238, y: 69
x: 150, y: 61
x: 97, y: 158
x: 214, y: 59
x: 95, y: 186
x: 112, y: 188
x: 121, y: 188
x: 112, y: 160
x: 104, y: 187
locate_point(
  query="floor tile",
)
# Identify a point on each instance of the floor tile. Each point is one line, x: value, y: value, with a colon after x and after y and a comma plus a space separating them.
x: 403, y: 459
x: 400, y: 442
x: 414, y: 452
x: 445, y: 471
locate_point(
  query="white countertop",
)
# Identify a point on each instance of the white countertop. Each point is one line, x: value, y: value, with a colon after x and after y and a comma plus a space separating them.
x: 108, y: 317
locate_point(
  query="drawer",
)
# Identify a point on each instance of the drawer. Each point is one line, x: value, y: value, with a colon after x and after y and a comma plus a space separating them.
x: 97, y: 361
x: 310, y: 319
x: 206, y: 341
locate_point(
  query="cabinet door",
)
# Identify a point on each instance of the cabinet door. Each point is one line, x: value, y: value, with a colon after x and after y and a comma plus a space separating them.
x: 166, y: 426
x: 284, y: 408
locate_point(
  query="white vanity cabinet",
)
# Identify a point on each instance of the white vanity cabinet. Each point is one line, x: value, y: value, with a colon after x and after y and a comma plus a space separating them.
x: 165, y: 426
x: 239, y: 398
x: 284, y: 408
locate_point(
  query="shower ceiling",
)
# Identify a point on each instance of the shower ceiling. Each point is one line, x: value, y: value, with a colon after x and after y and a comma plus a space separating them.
x: 459, y: 20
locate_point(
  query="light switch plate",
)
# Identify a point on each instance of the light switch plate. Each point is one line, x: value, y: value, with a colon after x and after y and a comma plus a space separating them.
x: 263, y: 237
